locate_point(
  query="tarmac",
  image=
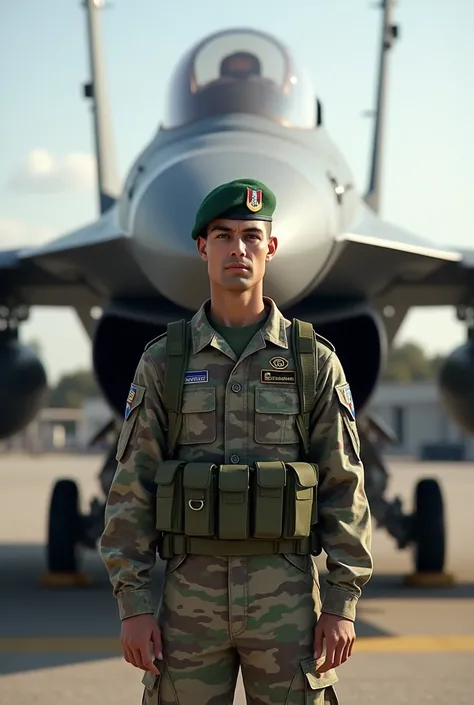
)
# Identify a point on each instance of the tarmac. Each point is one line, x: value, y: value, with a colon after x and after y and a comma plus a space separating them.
x: 61, y: 645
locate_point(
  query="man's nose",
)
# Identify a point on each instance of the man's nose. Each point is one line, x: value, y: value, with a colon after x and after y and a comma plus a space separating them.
x: 238, y: 247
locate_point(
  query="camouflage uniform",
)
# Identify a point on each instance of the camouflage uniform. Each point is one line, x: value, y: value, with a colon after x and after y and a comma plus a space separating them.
x: 219, y: 612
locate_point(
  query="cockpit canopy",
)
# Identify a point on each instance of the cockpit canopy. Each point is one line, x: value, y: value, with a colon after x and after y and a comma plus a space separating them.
x: 240, y: 71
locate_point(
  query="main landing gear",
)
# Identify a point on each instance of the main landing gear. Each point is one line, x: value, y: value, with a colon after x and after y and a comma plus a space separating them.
x: 70, y: 532
x: 424, y: 531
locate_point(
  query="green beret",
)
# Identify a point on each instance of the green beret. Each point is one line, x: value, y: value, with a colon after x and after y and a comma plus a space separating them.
x: 242, y: 199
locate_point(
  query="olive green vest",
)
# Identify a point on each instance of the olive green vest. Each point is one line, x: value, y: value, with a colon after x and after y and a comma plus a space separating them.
x: 260, y: 508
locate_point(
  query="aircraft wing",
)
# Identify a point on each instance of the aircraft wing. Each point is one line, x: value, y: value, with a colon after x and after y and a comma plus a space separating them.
x: 379, y: 261
x: 24, y: 281
x: 79, y: 269
x: 397, y: 276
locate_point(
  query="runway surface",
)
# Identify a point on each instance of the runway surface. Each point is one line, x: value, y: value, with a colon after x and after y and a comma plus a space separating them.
x: 414, y: 645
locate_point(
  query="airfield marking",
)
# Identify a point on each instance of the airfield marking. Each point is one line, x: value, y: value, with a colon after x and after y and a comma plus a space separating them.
x: 420, y: 643
x: 378, y: 644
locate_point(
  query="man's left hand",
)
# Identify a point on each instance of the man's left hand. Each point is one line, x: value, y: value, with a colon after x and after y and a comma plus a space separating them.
x: 339, y: 635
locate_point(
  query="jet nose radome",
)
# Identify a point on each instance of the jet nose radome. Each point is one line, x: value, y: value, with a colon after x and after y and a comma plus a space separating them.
x: 163, y: 217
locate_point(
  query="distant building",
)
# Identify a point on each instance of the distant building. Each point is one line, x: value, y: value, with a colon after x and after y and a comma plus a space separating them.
x: 52, y: 430
x: 61, y: 430
x: 423, y: 428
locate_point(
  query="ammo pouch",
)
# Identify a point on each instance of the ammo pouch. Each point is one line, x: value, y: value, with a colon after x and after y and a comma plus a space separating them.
x: 267, y: 507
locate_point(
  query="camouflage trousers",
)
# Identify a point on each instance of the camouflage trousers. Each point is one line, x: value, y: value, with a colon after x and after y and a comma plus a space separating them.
x: 257, y: 613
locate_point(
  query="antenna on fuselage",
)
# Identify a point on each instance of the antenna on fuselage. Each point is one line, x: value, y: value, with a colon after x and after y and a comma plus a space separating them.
x: 390, y: 32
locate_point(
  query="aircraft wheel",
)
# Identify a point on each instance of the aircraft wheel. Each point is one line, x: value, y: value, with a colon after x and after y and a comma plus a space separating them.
x: 63, y: 528
x: 429, y: 533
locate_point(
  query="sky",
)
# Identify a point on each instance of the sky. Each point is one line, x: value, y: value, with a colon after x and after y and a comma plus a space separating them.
x: 47, y: 167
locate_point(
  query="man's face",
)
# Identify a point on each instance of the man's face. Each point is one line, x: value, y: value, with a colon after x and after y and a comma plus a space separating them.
x: 236, y: 252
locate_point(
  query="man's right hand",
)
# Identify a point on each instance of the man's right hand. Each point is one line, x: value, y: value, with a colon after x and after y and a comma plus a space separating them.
x: 137, y: 633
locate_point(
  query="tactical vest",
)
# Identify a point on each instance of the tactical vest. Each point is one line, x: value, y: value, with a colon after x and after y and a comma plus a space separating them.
x: 260, y: 508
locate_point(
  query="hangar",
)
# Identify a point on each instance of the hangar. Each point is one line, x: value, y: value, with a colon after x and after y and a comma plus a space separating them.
x: 424, y: 430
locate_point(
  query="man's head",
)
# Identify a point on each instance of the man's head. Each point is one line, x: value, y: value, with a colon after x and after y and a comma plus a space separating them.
x: 233, y: 230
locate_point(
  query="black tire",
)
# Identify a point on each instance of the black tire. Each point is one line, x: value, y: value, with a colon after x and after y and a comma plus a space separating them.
x: 63, y: 528
x: 429, y: 533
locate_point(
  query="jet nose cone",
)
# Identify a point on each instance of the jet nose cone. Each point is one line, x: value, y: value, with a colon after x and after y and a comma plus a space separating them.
x: 166, y: 209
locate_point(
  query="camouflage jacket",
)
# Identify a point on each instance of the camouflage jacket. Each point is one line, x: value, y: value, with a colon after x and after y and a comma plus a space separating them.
x: 232, y: 416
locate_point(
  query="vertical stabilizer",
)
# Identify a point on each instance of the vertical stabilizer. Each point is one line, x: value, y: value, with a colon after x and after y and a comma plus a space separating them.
x: 107, y: 176
x: 388, y: 36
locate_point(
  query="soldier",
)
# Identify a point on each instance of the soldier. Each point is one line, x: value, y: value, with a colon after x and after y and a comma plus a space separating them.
x: 238, y: 458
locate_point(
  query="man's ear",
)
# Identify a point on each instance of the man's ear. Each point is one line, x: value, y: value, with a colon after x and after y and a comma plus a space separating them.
x: 201, y: 244
x: 272, y: 248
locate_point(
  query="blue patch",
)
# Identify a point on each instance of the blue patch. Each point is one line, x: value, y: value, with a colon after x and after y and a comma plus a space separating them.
x: 196, y: 377
x: 130, y: 398
x: 347, y: 394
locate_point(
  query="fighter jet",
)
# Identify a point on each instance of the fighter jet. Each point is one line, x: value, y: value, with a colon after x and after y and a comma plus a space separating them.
x: 238, y: 106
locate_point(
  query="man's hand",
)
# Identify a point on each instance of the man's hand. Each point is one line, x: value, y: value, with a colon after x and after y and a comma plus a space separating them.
x: 137, y: 633
x: 339, y: 635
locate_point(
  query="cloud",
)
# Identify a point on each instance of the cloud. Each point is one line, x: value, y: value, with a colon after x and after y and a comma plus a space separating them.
x: 42, y: 173
x: 15, y: 233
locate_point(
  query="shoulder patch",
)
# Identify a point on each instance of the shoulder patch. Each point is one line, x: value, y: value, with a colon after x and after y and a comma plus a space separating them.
x: 134, y: 399
x: 325, y: 342
x: 345, y: 398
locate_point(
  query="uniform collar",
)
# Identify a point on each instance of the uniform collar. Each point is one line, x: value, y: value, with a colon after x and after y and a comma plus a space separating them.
x: 274, y: 329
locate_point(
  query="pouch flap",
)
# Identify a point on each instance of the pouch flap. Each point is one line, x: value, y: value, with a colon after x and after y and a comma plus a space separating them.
x: 234, y: 478
x: 305, y: 472
x: 150, y: 680
x: 197, y: 476
x: 271, y: 474
x: 166, y: 471
x: 318, y: 680
x: 271, y: 400
x: 198, y: 401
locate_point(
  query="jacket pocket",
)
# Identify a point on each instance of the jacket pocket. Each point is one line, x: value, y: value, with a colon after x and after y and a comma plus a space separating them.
x: 275, y: 415
x: 199, y: 416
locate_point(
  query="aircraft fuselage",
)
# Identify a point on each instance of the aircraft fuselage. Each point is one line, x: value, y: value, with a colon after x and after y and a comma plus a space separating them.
x: 177, y: 170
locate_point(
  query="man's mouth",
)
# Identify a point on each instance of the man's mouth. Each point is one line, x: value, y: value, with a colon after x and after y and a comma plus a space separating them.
x: 237, y: 266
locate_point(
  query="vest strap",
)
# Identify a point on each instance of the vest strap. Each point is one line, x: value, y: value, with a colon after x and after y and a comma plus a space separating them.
x: 177, y: 351
x: 306, y: 371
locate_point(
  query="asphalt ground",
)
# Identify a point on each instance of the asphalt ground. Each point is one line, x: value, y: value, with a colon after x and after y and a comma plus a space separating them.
x: 414, y: 645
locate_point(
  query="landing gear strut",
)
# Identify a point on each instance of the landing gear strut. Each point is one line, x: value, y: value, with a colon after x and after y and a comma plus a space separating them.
x: 424, y: 531
x: 69, y: 531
